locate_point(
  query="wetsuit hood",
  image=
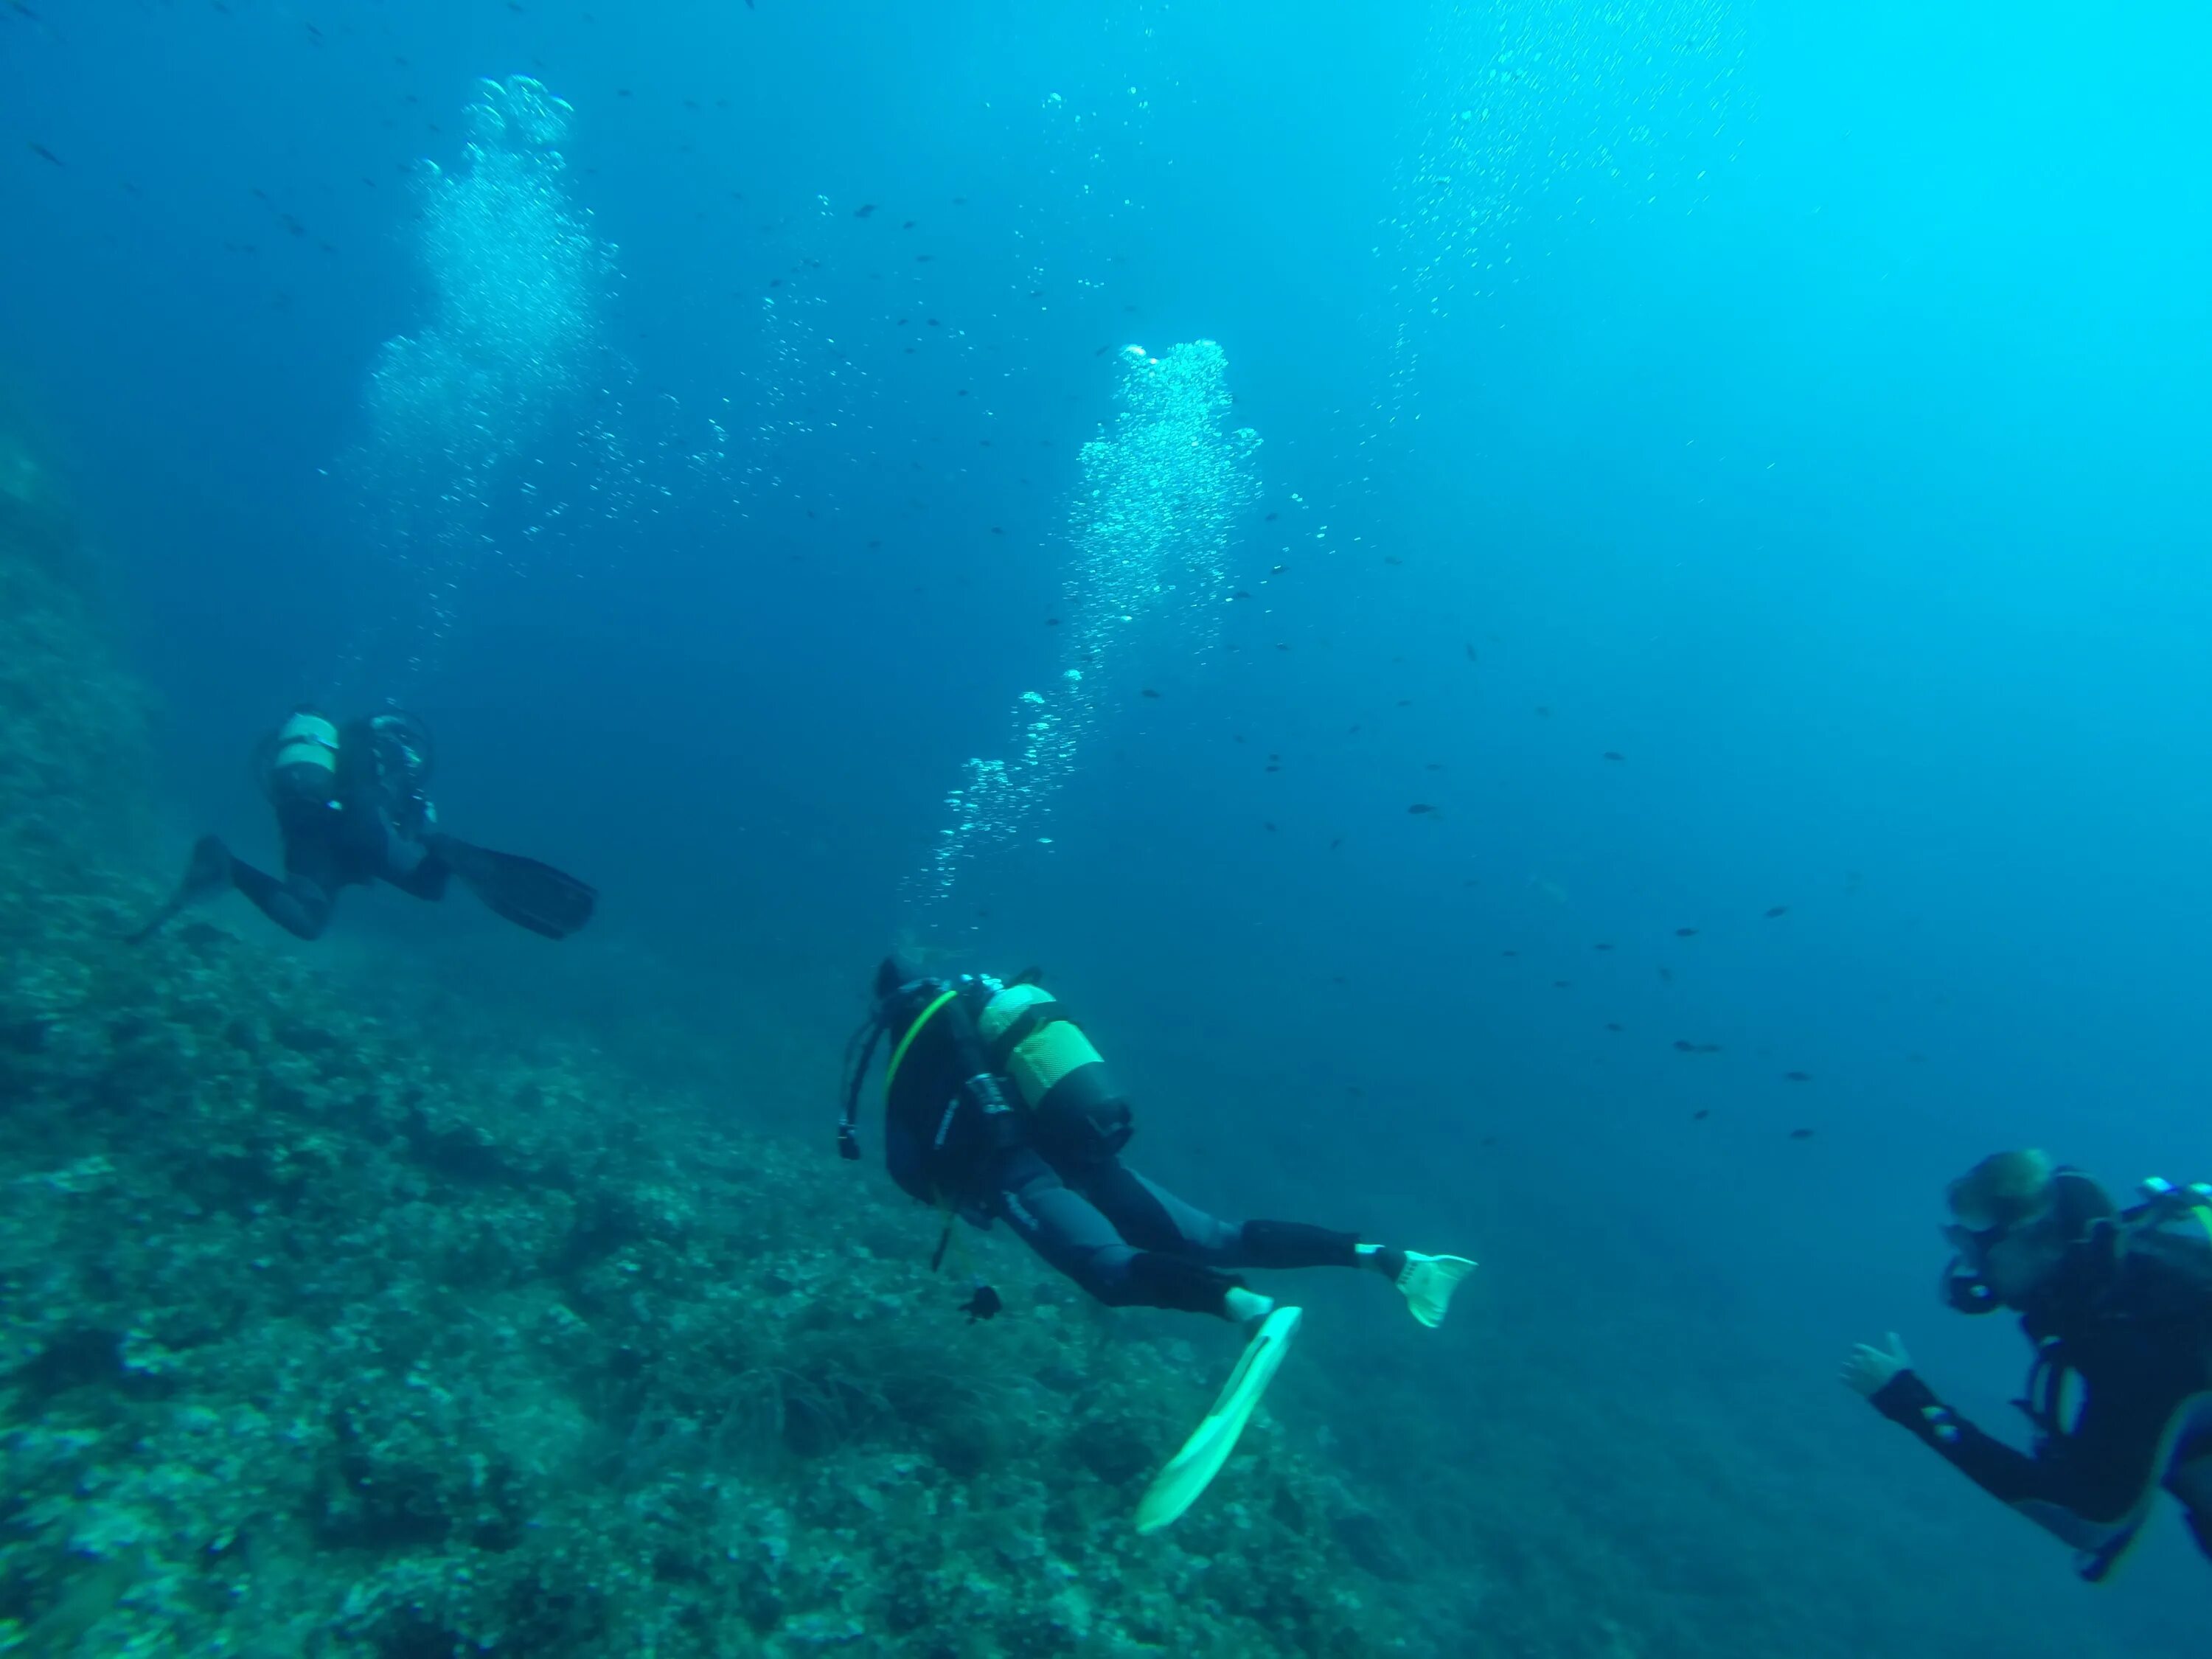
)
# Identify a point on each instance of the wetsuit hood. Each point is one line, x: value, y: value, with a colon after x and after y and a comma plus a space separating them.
x: 2079, y: 1219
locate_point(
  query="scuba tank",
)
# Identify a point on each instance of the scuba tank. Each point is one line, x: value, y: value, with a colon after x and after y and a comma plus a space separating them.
x: 958, y: 1047
x: 1075, y: 1112
x: 299, y: 761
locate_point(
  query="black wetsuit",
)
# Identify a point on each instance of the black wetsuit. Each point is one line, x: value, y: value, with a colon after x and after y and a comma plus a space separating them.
x: 2135, y: 1328
x: 374, y: 826
x: 1064, y: 1190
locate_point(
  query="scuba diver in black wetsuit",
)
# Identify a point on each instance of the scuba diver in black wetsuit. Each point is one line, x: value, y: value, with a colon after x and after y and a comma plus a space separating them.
x: 2119, y: 1302
x: 998, y: 1109
x: 351, y: 809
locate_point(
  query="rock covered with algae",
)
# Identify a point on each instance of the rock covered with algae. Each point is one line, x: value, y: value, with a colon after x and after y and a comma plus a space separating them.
x: 316, y: 1340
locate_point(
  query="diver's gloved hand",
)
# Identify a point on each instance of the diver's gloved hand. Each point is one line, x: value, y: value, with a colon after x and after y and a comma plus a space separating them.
x: 1870, y: 1370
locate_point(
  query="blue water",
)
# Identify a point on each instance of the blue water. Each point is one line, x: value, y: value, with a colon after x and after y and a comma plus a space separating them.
x: 1803, y: 404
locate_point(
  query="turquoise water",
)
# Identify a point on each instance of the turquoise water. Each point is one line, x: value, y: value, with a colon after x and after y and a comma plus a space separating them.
x: 1575, y: 631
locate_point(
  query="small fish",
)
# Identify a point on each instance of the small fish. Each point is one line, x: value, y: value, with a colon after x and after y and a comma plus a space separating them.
x: 1271, y: 517
x: 1797, y: 1077
x: 1801, y: 1134
x: 41, y: 151
x: 1471, y: 656
x: 1336, y: 843
x: 1421, y: 808
x: 1701, y: 1113
x: 1270, y: 829
x: 1614, y: 755
x: 1683, y: 1045
x: 1542, y: 712
x: 1150, y: 692
x: 1686, y: 932
x: 1508, y: 953
x: 1277, y: 569
x: 1562, y: 984
x: 1489, y: 1140
x: 1240, y: 594
x: 1776, y: 910
x: 1052, y: 622
x: 862, y: 212
x: 1601, y: 947
x: 1392, y: 558
x: 1666, y: 973
x: 1708, y: 1047
x: 909, y: 224
x: 1614, y: 1026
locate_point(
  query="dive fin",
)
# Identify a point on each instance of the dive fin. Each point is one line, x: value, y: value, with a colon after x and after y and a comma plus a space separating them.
x: 1427, y: 1283
x: 527, y: 893
x: 1191, y: 1470
x: 208, y: 874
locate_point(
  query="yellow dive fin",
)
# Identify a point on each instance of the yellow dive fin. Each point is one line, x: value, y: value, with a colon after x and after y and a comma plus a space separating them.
x: 1427, y: 1282
x: 1191, y: 1470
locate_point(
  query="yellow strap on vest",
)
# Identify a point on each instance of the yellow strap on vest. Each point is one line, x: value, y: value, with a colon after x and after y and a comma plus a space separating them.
x: 891, y: 1072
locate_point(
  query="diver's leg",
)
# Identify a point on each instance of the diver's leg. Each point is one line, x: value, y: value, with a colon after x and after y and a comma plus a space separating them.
x: 1075, y: 1236
x: 2191, y: 1482
x: 415, y: 870
x: 299, y: 904
x: 1148, y: 1214
x: 208, y: 874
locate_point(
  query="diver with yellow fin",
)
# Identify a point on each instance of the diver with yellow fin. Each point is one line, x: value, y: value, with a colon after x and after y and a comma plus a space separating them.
x: 997, y: 1108
x: 352, y: 808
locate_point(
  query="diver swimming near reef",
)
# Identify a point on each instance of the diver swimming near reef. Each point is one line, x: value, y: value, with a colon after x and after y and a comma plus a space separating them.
x: 351, y: 808
x: 998, y: 1108
x: 2117, y: 1302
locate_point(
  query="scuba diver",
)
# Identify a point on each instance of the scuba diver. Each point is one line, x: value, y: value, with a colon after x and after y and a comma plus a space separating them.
x: 2119, y: 1302
x: 997, y: 1108
x: 351, y: 808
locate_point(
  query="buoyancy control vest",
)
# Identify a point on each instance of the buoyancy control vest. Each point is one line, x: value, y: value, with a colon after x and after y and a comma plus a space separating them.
x: 2152, y: 1267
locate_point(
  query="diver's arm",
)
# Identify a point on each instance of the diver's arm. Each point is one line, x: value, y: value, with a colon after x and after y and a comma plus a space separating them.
x: 1998, y: 1469
x: 2096, y: 1472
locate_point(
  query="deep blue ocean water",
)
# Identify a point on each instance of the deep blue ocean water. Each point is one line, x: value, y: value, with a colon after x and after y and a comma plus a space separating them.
x: 1803, y: 406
